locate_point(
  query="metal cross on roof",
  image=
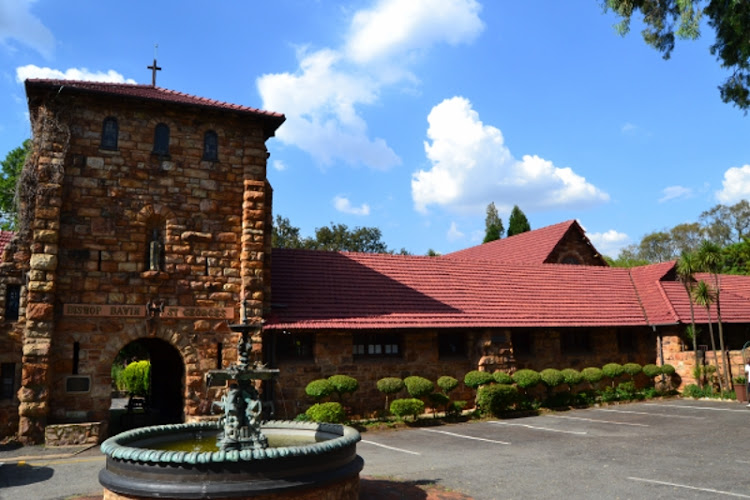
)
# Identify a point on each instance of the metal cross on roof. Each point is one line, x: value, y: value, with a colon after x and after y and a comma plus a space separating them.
x: 154, y: 68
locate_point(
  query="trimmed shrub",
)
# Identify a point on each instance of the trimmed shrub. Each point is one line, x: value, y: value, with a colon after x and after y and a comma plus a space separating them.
x: 331, y: 412
x: 626, y: 391
x: 135, y: 378
x: 502, y: 378
x: 475, y: 378
x: 407, y: 407
x: 668, y: 370
x: 455, y: 408
x: 612, y: 370
x: 526, y: 378
x: 388, y: 386
x: 552, y: 377
x: 418, y: 387
x: 572, y: 377
x: 692, y: 391
x: 496, y: 398
x: 438, y: 400
x: 632, y: 369
x: 343, y: 384
x: 592, y: 374
x: 319, y: 389
x: 651, y: 370
x: 447, y: 384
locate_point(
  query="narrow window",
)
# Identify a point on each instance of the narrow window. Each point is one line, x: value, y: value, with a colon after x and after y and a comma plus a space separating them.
x: 12, y: 301
x: 290, y: 346
x: 161, y: 139
x: 451, y: 345
x: 376, y: 345
x: 76, y: 356
x: 7, y: 380
x: 155, y: 250
x: 219, y: 355
x: 110, y: 131
x: 210, y: 146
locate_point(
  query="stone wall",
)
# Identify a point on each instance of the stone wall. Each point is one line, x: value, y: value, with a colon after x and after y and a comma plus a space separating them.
x: 90, y: 235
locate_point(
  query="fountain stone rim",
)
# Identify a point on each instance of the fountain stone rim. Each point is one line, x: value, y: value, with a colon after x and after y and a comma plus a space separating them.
x: 117, y: 447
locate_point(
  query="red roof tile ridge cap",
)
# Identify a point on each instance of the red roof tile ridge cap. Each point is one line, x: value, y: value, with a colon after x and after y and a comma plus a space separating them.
x: 657, y: 283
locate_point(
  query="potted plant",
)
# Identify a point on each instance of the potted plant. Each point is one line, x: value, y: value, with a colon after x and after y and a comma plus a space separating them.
x: 740, y: 388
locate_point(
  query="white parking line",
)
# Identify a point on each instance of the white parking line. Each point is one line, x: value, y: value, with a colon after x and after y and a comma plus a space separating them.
x: 650, y: 414
x: 688, y: 487
x: 390, y: 447
x: 599, y: 421
x: 465, y: 437
x: 537, y: 428
x: 697, y: 407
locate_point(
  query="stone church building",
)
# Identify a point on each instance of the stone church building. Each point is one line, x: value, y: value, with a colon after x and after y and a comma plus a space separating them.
x: 145, y: 216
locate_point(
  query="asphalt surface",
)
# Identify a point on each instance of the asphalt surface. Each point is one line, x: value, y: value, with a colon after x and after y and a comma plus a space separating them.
x: 667, y: 449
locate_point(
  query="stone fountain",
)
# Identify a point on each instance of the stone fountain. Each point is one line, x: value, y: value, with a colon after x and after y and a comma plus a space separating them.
x: 239, y: 456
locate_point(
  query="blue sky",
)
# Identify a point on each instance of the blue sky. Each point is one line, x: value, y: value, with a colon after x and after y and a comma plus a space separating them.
x: 413, y: 115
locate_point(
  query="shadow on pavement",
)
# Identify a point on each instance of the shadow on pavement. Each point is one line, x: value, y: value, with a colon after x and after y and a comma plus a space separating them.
x: 21, y: 475
x: 385, y: 489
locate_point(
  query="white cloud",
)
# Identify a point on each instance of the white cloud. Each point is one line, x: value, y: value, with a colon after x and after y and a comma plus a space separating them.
x: 736, y: 185
x: 609, y: 243
x: 673, y: 192
x: 342, y: 204
x: 278, y: 165
x: 395, y: 27
x: 628, y: 128
x: 32, y: 71
x: 471, y: 166
x: 322, y: 99
x: 453, y: 233
x: 18, y: 23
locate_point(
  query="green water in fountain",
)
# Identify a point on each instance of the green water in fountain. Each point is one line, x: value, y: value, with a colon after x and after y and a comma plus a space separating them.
x: 208, y: 443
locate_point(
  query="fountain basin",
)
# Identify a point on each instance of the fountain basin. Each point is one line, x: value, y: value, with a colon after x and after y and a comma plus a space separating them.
x: 326, y: 466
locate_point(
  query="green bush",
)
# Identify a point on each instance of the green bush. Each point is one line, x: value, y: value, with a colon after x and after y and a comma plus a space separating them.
x: 626, y: 391
x: 552, y: 377
x: 331, y: 412
x: 632, y: 369
x: 438, y: 400
x: 592, y: 374
x: 692, y: 391
x: 496, y: 398
x: 455, y: 408
x: 319, y: 389
x: 668, y: 370
x: 418, y: 387
x: 390, y: 385
x: 343, y: 384
x: 447, y: 384
x: 612, y: 370
x: 651, y: 370
x: 302, y: 417
x: 526, y: 378
x: 502, y: 378
x: 608, y: 394
x: 407, y: 407
x: 135, y: 378
x: 572, y: 377
x: 475, y: 378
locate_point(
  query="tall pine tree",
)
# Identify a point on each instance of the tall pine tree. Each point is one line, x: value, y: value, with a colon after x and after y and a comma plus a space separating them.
x: 517, y: 223
x: 493, y: 224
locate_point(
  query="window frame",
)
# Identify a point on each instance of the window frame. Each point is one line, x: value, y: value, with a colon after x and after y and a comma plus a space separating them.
x: 12, y: 302
x: 295, y: 346
x: 210, y: 146
x: 452, y: 345
x: 377, y: 345
x: 110, y: 136
x: 161, y: 139
x: 7, y: 373
x: 578, y: 341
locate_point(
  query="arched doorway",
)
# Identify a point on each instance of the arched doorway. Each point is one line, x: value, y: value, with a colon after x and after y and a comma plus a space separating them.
x: 163, y: 402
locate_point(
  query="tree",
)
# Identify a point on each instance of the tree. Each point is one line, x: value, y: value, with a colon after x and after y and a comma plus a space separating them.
x: 657, y: 247
x: 517, y: 222
x: 667, y: 19
x: 709, y: 257
x: 284, y: 234
x: 704, y: 296
x: 338, y: 237
x: 725, y: 225
x: 687, y: 266
x: 687, y: 237
x: 11, y: 169
x: 493, y: 224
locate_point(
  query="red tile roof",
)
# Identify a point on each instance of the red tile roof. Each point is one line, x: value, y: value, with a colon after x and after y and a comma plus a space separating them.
x: 313, y: 290
x: 531, y: 247
x: 150, y: 93
x: 332, y: 290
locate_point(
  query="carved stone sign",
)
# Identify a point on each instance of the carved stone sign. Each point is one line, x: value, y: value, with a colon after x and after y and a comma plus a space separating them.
x: 131, y: 311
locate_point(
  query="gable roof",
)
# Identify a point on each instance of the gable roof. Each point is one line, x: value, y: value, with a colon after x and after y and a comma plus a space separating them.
x: 314, y: 290
x: 530, y: 247
x: 317, y: 290
x: 150, y: 93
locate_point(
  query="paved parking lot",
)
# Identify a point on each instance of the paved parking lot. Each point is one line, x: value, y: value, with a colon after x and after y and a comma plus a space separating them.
x: 656, y: 450
x: 661, y: 449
